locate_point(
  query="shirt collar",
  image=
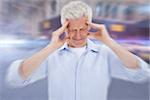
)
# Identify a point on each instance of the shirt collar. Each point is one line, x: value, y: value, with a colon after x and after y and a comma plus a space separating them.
x: 90, y: 46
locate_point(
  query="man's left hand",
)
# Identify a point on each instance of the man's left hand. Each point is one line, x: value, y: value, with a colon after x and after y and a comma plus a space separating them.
x: 101, y: 33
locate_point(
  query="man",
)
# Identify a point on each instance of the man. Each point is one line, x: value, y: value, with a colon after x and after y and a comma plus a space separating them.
x: 77, y: 68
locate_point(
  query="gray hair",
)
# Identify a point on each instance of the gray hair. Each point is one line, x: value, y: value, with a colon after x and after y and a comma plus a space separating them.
x: 74, y: 10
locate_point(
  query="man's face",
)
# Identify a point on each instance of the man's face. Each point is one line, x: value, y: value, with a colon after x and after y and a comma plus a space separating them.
x: 77, y: 32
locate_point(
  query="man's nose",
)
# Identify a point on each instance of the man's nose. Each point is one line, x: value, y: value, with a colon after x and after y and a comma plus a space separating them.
x: 78, y: 35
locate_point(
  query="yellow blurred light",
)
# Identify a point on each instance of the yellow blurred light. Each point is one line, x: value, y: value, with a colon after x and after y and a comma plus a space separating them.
x: 117, y: 27
x: 46, y: 25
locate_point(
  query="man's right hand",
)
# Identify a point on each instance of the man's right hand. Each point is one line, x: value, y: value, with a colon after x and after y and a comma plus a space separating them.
x: 56, y: 35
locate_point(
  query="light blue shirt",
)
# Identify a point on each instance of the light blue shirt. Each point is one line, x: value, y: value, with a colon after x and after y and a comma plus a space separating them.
x: 87, y: 78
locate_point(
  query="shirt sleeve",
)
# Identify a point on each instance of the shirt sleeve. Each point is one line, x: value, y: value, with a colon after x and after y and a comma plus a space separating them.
x: 14, y: 79
x: 120, y: 71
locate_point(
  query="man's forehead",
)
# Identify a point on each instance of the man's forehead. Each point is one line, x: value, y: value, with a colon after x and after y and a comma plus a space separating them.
x: 77, y: 22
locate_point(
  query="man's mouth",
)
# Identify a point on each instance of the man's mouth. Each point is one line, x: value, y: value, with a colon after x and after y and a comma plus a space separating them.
x: 77, y: 39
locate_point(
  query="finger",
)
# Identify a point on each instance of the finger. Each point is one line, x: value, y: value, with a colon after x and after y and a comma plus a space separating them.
x: 95, y: 26
x: 91, y: 36
x: 66, y: 39
x: 91, y: 33
x: 94, y: 33
x: 64, y: 27
x: 65, y: 24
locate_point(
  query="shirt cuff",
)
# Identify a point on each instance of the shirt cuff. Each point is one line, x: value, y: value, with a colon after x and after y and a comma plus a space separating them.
x: 140, y: 74
x: 14, y: 78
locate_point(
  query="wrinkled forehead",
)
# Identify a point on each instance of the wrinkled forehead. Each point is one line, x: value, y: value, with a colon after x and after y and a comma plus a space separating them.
x: 79, y: 22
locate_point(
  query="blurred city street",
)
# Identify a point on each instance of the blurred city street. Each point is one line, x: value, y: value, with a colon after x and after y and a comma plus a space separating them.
x: 26, y: 27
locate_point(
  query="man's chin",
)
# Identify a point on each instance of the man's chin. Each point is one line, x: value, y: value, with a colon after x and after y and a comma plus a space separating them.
x: 77, y: 45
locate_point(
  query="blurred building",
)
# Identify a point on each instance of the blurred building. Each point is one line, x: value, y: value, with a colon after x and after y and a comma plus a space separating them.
x: 24, y: 15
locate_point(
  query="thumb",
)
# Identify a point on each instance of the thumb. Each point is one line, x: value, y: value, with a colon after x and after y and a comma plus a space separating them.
x: 66, y: 38
x: 91, y: 35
